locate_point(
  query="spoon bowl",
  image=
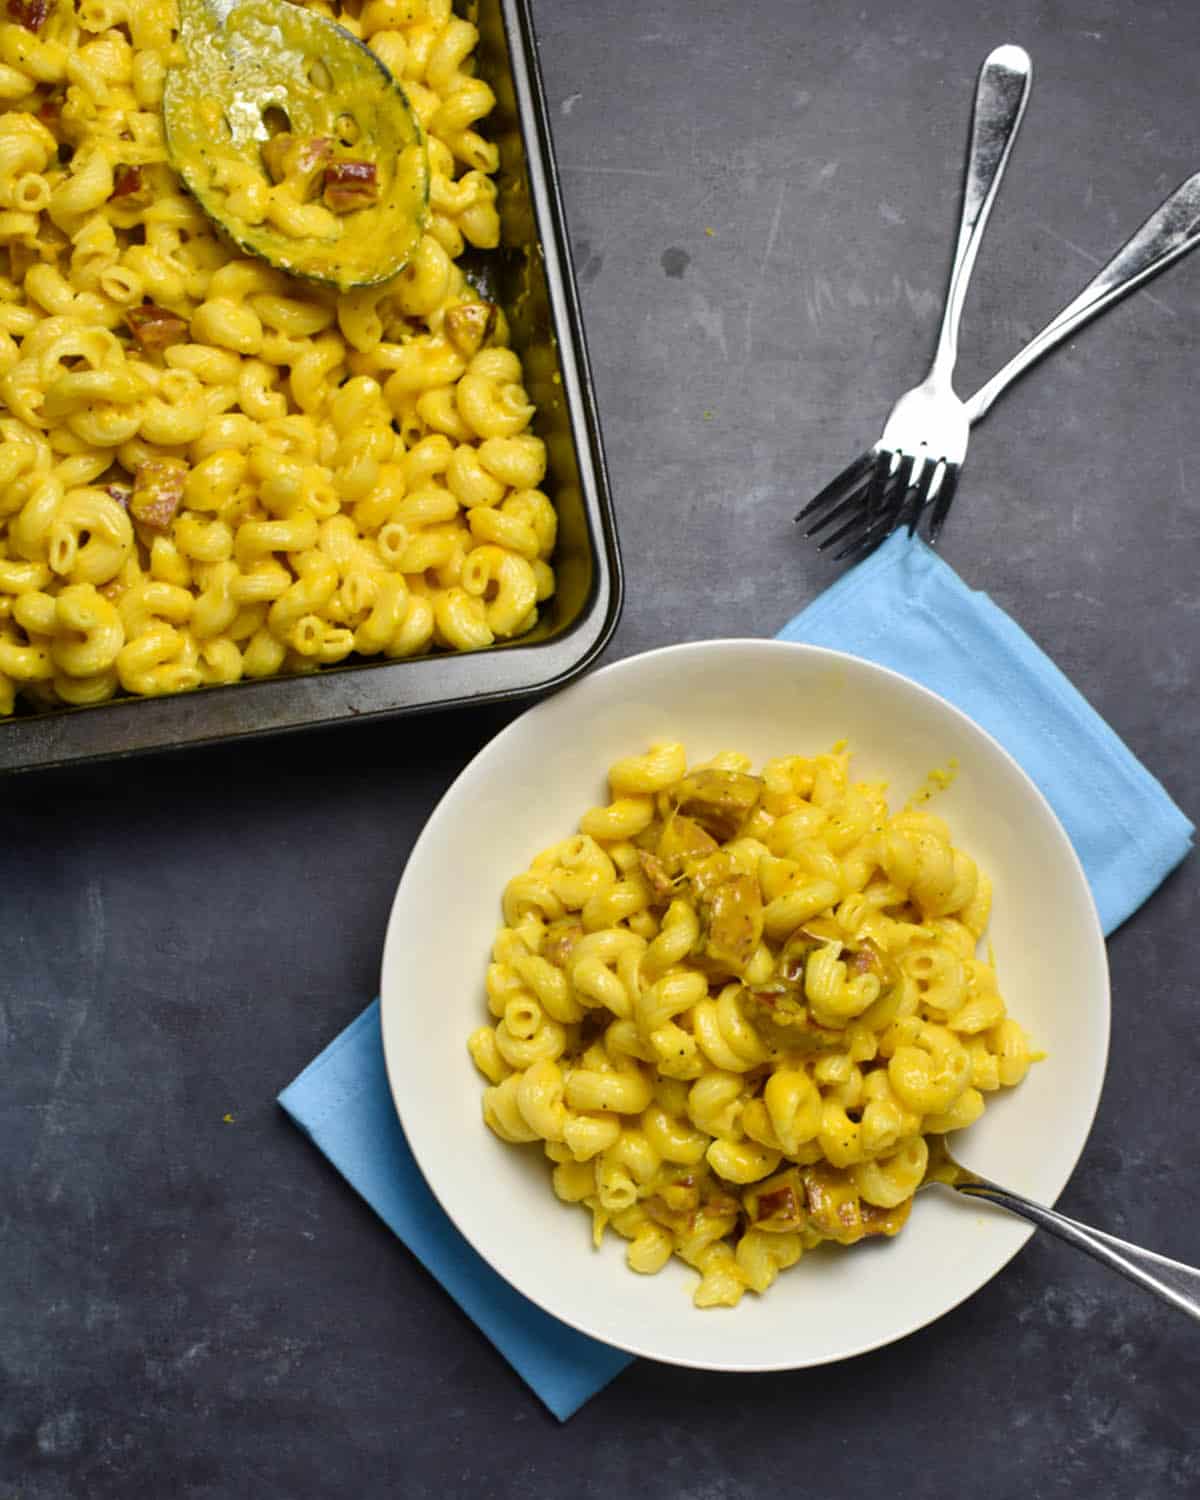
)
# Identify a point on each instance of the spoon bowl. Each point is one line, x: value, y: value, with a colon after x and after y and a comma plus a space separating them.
x: 297, y: 141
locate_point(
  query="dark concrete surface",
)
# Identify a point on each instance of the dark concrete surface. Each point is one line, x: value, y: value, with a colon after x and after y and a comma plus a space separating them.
x: 196, y: 1308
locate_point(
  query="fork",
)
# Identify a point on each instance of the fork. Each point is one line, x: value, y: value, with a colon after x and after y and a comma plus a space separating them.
x: 924, y: 441
x: 1175, y: 1282
x: 916, y: 463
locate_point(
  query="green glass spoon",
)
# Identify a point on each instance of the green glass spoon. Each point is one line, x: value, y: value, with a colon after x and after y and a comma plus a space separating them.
x: 296, y: 139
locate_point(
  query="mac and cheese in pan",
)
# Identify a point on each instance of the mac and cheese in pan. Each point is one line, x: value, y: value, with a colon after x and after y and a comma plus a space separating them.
x: 732, y: 1007
x: 210, y: 470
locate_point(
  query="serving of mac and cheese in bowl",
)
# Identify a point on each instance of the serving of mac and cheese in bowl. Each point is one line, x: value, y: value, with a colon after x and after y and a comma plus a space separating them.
x: 707, y: 947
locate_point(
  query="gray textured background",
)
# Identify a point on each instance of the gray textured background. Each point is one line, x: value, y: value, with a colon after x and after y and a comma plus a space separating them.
x: 200, y: 1309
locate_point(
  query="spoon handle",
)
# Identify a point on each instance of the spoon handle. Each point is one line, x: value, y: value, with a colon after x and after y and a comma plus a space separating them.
x: 1169, y: 1279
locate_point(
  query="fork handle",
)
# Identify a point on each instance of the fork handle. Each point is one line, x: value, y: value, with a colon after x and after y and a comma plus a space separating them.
x: 1171, y: 231
x: 1169, y: 1279
x: 1000, y: 97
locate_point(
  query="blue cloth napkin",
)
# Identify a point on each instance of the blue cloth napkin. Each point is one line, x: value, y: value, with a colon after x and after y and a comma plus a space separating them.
x: 903, y: 608
x: 342, y: 1101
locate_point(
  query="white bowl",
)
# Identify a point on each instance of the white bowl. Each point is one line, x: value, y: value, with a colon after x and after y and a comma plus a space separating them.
x: 527, y: 789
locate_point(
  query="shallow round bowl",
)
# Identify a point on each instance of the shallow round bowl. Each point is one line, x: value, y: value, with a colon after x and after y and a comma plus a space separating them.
x: 528, y: 788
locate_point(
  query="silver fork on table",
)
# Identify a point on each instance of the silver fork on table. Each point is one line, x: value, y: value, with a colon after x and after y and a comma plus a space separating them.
x: 913, y: 469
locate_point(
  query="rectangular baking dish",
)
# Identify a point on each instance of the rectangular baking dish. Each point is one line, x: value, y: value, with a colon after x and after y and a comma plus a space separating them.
x: 532, y: 278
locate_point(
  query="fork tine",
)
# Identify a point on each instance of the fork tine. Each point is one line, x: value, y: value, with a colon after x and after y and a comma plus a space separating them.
x: 856, y: 502
x: 854, y: 528
x: 853, y: 501
x: 906, y: 474
x: 880, y: 476
x: 879, y: 509
x: 869, y: 538
x: 888, y: 513
x: 840, y: 484
x: 920, y: 492
x: 943, y: 502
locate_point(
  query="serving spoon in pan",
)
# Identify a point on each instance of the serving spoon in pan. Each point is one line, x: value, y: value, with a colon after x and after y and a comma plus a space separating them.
x: 1169, y: 1279
x: 297, y: 140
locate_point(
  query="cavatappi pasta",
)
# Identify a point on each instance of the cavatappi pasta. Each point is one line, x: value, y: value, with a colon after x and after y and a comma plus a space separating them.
x: 210, y: 470
x: 732, y: 1007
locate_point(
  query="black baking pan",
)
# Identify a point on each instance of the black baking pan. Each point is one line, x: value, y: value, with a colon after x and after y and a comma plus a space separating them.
x: 531, y: 276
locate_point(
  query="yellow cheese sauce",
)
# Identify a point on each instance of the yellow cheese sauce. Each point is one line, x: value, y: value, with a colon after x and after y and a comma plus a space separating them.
x: 277, y: 67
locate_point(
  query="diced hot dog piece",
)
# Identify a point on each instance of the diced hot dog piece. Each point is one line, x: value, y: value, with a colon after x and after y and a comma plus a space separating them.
x: 155, y: 327
x: 299, y: 159
x: 684, y: 844
x: 834, y: 1207
x: 735, y: 922
x: 719, y: 800
x: 656, y: 874
x: 157, y: 491
x: 778, y: 1205
x: 127, y: 181
x: 350, y: 185
x: 29, y: 13
x: 469, y: 326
